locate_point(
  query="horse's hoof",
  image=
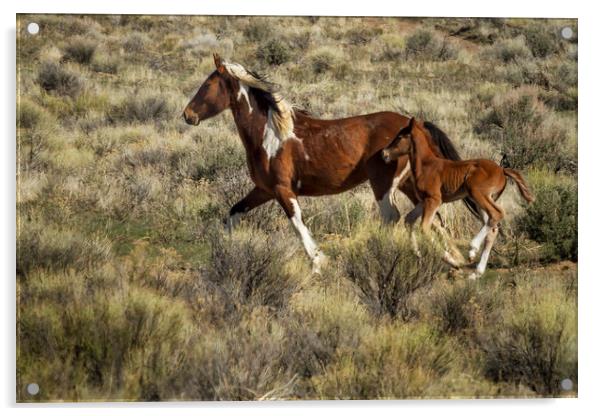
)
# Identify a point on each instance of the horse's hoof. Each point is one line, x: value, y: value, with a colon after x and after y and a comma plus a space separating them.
x: 317, y: 263
x: 453, y: 261
x: 474, y: 276
x: 472, y: 255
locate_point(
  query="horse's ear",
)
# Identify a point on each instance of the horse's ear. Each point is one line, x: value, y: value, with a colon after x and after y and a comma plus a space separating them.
x: 219, y: 65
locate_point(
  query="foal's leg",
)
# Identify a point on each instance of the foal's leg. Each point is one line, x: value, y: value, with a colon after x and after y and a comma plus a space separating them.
x: 431, y: 205
x: 489, y: 240
x: 288, y: 200
x: 409, y: 220
x: 408, y: 188
x: 495, y: 214
x: 476, y: 242
x: 255, y: 198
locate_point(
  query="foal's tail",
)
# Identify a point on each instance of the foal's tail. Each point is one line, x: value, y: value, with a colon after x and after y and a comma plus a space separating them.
x: 521, y: 183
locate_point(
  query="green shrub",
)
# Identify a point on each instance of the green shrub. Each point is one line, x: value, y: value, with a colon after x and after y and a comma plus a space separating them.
x: 561, y: 79
x: 135, y: 42
x: 386, y: 270
x: 552, y: 219
x: 49, y: 247
x: 141, y: 107
x: 534, y: 345
x: 362, y: 34
x: 53, y: 77
x: 341, y: 214
x: 247, y: 270
x: 100, y: 338
x: 393, y: 47
x: 106, y: 64
x: 31, y: 115
x: 247, y: 361
x: 542, y: 40
x: 462, y: 307
x: 80, y: 50
x: 327, y: 60
x: 524, y: 131
x: 508, y: 50
x: 257, y: 30
x: 274, y: 52
x: 424, y: 44
x: 390, y: 363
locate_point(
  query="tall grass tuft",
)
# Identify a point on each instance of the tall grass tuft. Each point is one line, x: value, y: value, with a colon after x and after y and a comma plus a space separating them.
x: 552, y: 219
x: 426, y: 45
x: 80, y: 50
x: 534, y: 344
x: 54, y: 77
x: 141, y: 107
x: 385, y: 269
x: 524, y: 132
x: 248, y: 270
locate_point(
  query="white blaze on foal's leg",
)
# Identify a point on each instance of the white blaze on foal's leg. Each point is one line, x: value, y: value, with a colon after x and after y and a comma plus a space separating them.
x: 476, y: 242
x: 309, y: 244
x: 489, y: 240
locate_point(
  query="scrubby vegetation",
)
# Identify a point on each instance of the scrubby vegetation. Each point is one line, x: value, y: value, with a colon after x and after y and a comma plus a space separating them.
x: 129, y: 289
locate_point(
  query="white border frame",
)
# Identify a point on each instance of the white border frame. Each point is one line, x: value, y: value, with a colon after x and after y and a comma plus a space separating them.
x: 589, y: 146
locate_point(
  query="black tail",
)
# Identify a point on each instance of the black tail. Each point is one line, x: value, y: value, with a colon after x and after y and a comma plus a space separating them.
x: 449, y: 151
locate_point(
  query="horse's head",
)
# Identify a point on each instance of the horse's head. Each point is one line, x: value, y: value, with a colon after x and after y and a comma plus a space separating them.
x: 402, y: 143
x: 213, y: 97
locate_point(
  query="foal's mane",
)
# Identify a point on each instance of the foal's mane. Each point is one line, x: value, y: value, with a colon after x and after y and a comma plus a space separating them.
x: 280, y: 113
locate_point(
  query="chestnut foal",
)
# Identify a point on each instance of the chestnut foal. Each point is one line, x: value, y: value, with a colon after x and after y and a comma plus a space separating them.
x: 440, y: 180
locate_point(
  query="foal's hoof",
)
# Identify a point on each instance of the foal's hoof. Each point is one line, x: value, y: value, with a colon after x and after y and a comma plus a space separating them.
x: 473, y: 276
x: 317, y: 263
x: 472, y: 255
x: 449, y: 259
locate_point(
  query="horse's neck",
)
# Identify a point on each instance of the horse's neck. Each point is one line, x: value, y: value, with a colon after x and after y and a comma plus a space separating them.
x: 421, y: 153
x: 250, y: 120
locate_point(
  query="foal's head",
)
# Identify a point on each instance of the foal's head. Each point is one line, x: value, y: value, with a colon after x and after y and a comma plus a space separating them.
x: 401, y: 144
x: 213, y: 97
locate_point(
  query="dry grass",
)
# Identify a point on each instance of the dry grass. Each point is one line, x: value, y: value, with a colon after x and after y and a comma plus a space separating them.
x: 128, y: 289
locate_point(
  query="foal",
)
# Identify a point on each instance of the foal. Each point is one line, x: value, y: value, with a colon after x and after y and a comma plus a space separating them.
x: 440, y: 180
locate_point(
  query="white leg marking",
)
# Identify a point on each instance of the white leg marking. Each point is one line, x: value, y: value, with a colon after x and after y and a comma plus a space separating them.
x: 233, y: 221
x: 486, y: 251
x: 415, y: 243
x: 309, y: 244
x: 388, y: 211
x: 476, y: 242
x: 244, y: 91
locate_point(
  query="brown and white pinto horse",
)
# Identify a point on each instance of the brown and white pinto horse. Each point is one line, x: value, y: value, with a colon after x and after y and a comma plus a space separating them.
x: 290, y: 153
x: 440, y: 180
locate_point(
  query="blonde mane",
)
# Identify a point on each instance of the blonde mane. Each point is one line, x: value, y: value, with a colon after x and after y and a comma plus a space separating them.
x: 282, y: 116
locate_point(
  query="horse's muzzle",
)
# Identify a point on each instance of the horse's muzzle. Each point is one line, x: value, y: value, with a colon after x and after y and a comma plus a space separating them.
x: 191, y: 119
